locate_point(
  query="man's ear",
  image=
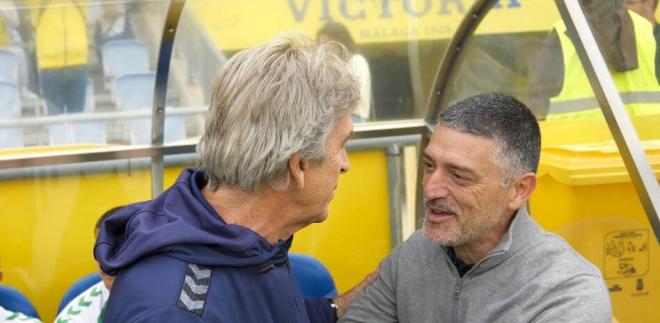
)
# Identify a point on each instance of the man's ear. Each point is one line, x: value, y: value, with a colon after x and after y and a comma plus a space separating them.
x: 521, y: 189
x: 297, y: 168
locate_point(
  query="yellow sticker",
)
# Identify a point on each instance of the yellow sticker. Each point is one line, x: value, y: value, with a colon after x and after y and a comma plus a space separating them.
x: 626, y: 253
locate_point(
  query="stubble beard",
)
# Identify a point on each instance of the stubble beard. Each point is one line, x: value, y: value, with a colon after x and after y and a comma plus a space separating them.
x: 448, y: 234
x: 461, y: 230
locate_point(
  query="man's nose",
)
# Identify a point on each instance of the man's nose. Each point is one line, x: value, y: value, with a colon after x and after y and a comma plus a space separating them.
x: 345, y: 164
x: 435, y: 185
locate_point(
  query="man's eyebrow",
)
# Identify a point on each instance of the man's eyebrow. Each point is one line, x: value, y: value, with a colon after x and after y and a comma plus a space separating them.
x: 463, y: 169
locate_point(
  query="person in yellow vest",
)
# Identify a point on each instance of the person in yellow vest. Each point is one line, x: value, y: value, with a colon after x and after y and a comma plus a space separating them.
x: 8, y: 23
x: 4, y: 37
x: 560, y: 88
x: 62, y: 48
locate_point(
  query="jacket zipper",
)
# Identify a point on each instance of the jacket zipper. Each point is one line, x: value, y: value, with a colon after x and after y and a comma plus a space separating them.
x: 459, y: 282
x: 457, y: 294
x: 293, y: 287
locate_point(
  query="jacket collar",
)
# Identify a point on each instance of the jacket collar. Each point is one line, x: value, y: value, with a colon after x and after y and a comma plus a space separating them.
x: 522, y: 233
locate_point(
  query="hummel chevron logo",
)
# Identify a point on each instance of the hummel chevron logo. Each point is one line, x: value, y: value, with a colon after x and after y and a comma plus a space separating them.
x: 83, y: 303
x: 194, y: 289
x: 18, y: 316
x: 72, y: 311
x: 96, y: 291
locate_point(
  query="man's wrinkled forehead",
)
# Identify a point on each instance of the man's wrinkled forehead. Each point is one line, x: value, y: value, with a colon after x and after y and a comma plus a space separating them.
x: 452, y: 136
x: 473, y: 132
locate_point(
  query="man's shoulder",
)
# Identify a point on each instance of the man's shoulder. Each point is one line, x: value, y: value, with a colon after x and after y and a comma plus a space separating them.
x: 563, y: 284
x: 151, y: 284
x: 556, y: 252
x: 417, y: 251
x: 416, y: 240
x: 549, y: 263
x: 416, y: 244
x: 152, y: 274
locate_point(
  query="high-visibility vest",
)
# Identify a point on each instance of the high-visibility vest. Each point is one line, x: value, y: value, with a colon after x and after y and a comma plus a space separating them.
x: 638, y: 88
x: 4, y: 33
x: 61, y: 33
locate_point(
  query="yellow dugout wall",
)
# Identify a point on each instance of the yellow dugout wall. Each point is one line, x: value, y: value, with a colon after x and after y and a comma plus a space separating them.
x: 46, y: 237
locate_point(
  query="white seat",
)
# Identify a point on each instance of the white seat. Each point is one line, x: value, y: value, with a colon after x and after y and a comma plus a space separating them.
x: 134, y: 91
x: 9, y: 65
x: 87, y: 132
x: 10, y: 100
x: 121, y: 57
x: 10, y: 105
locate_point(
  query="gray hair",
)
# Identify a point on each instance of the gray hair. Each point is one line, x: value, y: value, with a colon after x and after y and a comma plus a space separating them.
x: 506, y: 120
x: 269, y: 102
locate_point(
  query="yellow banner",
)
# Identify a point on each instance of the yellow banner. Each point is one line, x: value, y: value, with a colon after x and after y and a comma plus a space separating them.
x: 240, y: 24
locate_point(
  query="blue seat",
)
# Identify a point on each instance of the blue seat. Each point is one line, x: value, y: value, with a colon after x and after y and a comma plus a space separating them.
x: 11, y: 299
x: 313, y: 279
x: 10, y: 100
x: 90, y: 103
x: 124, y: 56
x: 78, y: 287
x: 11, y: 137
x: 8, y: 65
x: 87, y: 132
x: 134, y: 91
x: 83, y: 132
x: 10, y: 108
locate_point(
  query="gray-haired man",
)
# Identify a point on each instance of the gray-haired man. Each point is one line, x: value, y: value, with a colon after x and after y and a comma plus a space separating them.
x: 480, y: 257
x: 213, y: 247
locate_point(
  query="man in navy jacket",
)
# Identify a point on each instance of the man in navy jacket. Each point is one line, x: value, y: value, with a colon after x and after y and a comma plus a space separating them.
x: 213, y: 247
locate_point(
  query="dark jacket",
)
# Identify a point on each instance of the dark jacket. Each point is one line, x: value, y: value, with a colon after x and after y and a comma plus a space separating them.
x: 176, y: 260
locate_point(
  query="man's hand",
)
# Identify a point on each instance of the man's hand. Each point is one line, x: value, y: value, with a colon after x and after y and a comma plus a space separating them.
x: 345, y: 300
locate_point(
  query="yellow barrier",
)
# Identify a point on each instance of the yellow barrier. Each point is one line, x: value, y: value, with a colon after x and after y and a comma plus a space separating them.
x: 585, y: 195
x: 46, y: 231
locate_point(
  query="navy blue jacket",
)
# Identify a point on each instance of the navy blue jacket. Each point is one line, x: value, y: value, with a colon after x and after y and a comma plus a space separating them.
x: 176, y: 260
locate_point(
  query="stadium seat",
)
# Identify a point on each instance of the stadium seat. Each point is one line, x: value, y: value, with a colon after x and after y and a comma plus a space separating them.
x: 10, y: 100
x: 134, y: 91
x: 18, y: 75
x: 90, y: 100
x: 11, y: 299
x: 78, y: 287
x: 86, y: 132
x: 11, y: 138
x: 122, y: 57
x: 8, y: 65
x: 313, y: 279
x: 140, y: 130
x: 22, y: 65
x: 10, y: 108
